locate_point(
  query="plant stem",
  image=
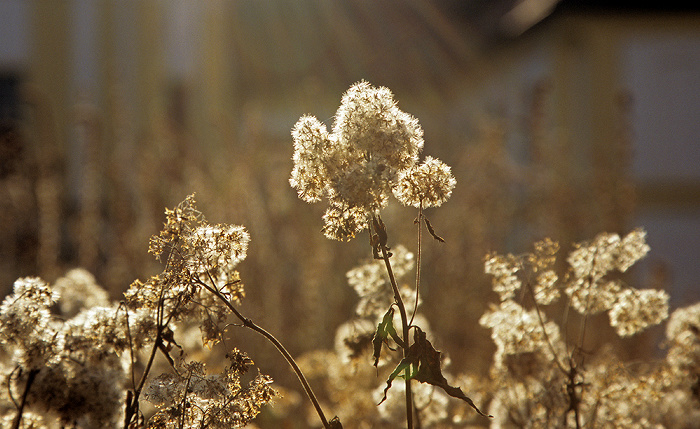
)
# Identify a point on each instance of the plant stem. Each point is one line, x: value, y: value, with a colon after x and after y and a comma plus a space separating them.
x: 132, y: 401
x: 404, y: 325
x: 418, y: 257
x: 30, y: 379
x: 544, y: 330
x: 278, y: 345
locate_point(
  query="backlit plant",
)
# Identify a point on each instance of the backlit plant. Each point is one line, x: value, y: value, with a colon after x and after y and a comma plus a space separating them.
x: 71, y: 357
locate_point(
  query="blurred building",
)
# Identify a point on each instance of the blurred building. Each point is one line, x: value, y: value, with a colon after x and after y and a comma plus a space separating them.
x: 617, y: 85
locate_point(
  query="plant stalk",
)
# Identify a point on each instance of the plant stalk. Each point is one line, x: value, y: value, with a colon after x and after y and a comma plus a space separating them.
x: 30, y: 379
x: 405, y: 328
x: 278, y: 345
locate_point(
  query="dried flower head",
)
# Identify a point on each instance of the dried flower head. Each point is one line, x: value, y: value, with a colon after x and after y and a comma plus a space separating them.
x: 592, y: 291
x: 503, y: 268
x: 216, y: 247
x: 26, y: 322
x: 78, y: 289
x: 635, y: 310
x: 546, y: 290
x: 608, y: 252
x: 516, y: 330
x: 369, y: 121
x: 370, y: 153
x: 192, y: 398
x: 428, y: 184
x: 592, y: 297
x: 177, y: 224
x: 683, y: 335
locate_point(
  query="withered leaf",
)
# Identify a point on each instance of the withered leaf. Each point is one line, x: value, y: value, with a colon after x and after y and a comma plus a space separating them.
x: 423, y: 363
x: 432, y: 231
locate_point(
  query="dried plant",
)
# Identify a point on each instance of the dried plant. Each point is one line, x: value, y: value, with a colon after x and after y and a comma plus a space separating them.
x: 81, y: 368
x: 372, y: 152
x: 71, y: 357
x: 546, y: 380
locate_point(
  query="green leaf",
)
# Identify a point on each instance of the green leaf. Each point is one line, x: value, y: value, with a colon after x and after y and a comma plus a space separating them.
x: 401, y: 367
x: 385, y: 329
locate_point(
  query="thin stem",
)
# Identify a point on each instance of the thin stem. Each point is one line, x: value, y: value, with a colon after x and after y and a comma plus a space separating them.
x: 404, y: 320
x: 30, y: 379
x: 584, y: 321
x: 544, y: 329
x: 132, y: 404
x: 122, y: 304
x: 133, y: 400
x: 278, y: 345
x: 418, y: 259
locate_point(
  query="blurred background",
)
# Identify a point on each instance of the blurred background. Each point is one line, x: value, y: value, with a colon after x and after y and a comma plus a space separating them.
x: 560, y: 119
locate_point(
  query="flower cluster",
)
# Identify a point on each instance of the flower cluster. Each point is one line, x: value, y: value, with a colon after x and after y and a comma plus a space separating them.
x: 543, y: 380
x: 70, y: 366
x: 208, y: 400
x: 371, y: 152
x: 589, y: 285
x: 74, y: 354
x: 517, y: 331
x: 683, y: 336
x: 26, y: 322
x: 201, y: 264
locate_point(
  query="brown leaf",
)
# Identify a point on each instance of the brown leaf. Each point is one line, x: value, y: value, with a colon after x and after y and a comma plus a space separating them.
x: 426, y: 369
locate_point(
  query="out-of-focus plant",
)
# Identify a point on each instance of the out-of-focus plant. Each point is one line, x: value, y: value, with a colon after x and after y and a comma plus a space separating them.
x: 544, y: 379
x: 371, y: 152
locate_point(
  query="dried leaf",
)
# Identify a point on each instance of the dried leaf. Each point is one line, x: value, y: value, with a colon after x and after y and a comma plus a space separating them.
x: 425, y: 361
x: 432, y: 231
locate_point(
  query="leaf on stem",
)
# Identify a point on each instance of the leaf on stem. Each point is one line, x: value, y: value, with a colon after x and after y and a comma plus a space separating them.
x: 432, y: 231
x: 423, y: 363
x: 385, y: 329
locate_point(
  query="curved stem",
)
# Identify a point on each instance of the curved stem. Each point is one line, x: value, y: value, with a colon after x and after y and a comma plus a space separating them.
x: 278, y: 345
